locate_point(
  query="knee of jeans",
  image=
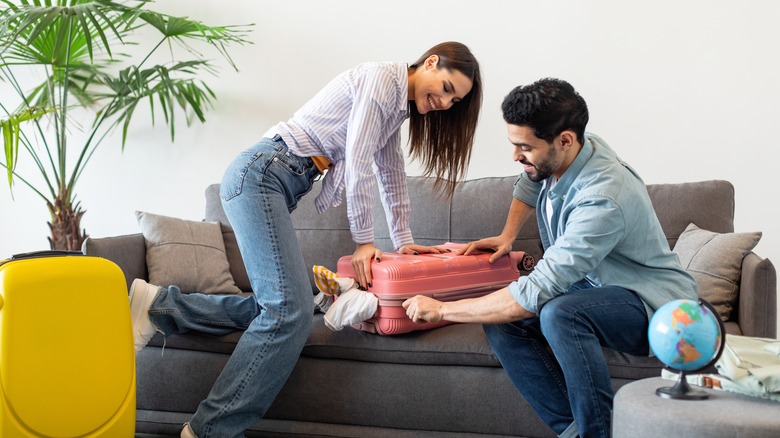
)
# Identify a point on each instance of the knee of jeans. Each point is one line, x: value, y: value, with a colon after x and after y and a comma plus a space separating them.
x: 299, y: 324
x: 297, y: 316
x: 551, y: 315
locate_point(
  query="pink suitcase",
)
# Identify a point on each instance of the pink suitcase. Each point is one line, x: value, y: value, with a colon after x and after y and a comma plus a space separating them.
x: 445, y: 277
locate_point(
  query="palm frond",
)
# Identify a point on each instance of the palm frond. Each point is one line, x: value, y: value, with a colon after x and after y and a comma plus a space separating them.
x: 161, y: 84
x: 182, y: 28
x: 79, y: 86
x: 11, y: 129
x: 43, y: 31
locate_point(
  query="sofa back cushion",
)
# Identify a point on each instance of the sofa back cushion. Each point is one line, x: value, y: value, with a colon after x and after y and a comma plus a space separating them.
x: 708, y: 204
x: 477, y: 209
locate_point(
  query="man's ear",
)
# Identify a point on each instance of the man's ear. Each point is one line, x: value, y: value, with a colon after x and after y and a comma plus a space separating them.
x: 568, y: 139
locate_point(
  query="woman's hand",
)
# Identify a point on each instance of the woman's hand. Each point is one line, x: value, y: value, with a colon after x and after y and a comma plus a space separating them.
x: 421, y: 249
x: 364, y: 254
x: 499, y: 244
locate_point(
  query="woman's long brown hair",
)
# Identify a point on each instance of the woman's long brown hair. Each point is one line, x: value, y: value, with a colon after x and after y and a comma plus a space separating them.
x: 442, y: 140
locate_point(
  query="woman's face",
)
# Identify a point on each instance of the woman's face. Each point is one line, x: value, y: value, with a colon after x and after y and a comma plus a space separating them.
x: 434, y: 89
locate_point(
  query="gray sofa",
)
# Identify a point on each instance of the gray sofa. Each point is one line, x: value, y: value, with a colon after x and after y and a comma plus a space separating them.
x: 440, y: 383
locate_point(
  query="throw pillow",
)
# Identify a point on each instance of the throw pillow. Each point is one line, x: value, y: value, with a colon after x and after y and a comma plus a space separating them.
x: 188, y: 254
x: 715, y: 261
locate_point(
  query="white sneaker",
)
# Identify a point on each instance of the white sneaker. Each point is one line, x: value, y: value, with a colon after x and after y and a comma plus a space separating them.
x: 142, y: 294
x: 187, y: 432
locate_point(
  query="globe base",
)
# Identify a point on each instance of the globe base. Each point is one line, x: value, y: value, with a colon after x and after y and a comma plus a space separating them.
x: 681, y: 391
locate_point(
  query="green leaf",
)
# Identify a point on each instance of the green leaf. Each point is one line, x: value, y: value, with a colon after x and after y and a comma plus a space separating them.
x: 181, y: 28
x: 11, y: 127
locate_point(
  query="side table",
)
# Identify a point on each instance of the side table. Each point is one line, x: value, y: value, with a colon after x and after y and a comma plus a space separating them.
x: 639, y: 412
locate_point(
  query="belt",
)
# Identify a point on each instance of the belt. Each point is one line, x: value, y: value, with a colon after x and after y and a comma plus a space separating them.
x: 322, y: 162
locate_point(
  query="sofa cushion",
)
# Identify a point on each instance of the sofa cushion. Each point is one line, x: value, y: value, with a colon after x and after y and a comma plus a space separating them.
x: 477, y: 209
x: 709, y: 204
x: 452, y: 345
x: 325, y: 237
x: 188, y: 254
x: 715, y: 261
x: 456, y: 344
x: 127, y: 251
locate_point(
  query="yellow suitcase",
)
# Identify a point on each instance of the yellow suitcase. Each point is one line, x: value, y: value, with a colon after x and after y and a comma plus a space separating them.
x: 67, y: 363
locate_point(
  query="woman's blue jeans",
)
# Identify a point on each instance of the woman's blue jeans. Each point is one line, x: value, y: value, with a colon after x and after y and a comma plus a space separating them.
x: 259, y: 190
x: 556, y: 361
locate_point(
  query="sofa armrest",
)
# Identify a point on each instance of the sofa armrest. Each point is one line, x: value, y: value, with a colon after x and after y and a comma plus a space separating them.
x: 757, y: 311
x: 128, y: 251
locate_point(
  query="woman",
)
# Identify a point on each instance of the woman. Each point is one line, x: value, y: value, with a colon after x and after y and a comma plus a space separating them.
x: 349, y: 131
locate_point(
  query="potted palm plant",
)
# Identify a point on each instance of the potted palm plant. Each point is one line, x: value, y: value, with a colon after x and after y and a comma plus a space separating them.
x: 80, y: 50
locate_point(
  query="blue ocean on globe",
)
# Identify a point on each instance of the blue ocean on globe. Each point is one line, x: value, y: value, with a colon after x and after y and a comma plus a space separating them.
x: 684, y: 335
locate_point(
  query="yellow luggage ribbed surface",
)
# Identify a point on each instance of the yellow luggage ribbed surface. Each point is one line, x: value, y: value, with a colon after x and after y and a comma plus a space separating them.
x: 67, y: 364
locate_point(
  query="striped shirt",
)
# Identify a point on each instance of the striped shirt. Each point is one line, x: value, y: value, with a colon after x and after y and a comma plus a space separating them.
x: 355, y: 122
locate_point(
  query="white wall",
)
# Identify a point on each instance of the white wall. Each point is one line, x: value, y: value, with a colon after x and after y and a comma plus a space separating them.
x: 683, y: 90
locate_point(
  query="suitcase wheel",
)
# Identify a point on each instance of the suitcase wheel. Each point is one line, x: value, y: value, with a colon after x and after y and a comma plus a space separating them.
x: 527, y: 263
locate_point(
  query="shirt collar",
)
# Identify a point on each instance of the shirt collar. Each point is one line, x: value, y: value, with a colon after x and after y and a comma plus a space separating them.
x: 568, y: 177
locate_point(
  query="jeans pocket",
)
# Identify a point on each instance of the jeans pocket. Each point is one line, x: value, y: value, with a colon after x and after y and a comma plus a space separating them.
x: 296, y: 175
x: 233, y: 179
x: 291, y: 162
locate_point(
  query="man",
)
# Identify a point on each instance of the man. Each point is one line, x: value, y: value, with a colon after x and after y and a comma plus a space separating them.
x: 606, y: 267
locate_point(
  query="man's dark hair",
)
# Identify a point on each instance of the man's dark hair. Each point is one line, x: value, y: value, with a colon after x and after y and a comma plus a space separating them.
x: 548, y: 106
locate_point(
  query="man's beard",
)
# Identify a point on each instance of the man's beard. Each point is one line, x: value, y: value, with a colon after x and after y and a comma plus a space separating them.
x: 545, y: 169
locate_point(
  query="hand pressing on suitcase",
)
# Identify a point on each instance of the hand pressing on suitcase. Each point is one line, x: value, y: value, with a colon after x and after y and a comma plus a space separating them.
x: 519, y: 212
x: 364, y: 254
x: 421, y: 249
x: 498, y: 244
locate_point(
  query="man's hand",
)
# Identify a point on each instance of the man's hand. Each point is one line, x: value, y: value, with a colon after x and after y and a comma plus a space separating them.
x: 420, y: 249
x: 423, y: 309
x: 499, y: 244
x: 364, y: 254
x: 519, y: 212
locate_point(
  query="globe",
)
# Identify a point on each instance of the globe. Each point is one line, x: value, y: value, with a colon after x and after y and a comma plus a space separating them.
x: 687, y: 336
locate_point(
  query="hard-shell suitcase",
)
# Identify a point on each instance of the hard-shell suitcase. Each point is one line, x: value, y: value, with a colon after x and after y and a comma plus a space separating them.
x: 67, y: 362
x: 445, y: 277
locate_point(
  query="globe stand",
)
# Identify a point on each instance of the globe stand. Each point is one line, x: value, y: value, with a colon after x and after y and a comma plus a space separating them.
x: 682, y: 390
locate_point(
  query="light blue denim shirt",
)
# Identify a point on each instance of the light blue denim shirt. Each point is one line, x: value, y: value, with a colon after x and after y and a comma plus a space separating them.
x: 604, y: 229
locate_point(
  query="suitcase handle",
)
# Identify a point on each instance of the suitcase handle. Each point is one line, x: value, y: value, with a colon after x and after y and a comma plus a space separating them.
x: 45, y: 253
